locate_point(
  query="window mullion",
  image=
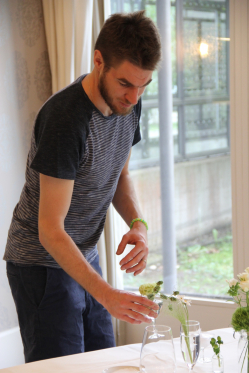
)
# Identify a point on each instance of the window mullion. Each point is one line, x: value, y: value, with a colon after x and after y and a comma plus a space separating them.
x: 239, y: 82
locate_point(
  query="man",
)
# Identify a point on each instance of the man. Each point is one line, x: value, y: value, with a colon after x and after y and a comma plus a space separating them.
x: 77, y: 166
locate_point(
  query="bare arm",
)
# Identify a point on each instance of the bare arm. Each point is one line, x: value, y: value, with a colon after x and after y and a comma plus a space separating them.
x: 126, y: 203
x: 55, y: 199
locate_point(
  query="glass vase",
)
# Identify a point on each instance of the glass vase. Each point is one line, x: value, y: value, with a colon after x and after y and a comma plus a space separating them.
x: 217, y: 364
x: 190, y: 342
x: 243, y: 352
x: 159, y: 302
x: 157, y: 354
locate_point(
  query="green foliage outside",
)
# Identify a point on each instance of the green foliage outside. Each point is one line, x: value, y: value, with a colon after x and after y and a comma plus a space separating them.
x: 205, y: 269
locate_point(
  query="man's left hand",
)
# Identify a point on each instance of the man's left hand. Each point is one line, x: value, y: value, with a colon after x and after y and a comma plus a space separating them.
x: 135, y: 260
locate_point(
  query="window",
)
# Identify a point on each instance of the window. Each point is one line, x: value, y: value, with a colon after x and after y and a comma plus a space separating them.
x: 201, y: 147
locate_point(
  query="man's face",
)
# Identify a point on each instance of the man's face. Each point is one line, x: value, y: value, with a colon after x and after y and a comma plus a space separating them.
x: 121, y: 87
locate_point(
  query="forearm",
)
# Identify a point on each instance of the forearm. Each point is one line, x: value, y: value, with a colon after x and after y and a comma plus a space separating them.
x: 62, y: 248
x: 125, y: 199
x: 126, y: 203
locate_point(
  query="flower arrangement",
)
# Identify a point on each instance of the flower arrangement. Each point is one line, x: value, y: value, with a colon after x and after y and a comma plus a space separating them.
x: 174, y: 305
x: 239, y: 290
x: 150, y: 290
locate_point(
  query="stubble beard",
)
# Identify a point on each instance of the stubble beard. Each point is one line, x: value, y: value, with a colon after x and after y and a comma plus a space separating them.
x: 109, y: 100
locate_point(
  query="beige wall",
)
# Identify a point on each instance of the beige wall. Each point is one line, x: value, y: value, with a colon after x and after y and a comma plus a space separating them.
x: 25, y: 83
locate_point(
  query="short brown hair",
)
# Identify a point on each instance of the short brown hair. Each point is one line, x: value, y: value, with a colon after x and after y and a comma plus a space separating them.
x: 132, y: 37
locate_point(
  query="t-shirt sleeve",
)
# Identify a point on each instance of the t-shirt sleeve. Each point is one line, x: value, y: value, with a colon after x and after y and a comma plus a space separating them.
x: 137, y: 134
x: 60, y: 143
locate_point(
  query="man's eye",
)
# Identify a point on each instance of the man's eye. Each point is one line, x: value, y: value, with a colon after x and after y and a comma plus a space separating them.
x: 123, y: 84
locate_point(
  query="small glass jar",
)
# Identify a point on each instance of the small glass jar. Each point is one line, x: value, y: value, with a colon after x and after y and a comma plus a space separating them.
x: 243, y: 352
x: 218, y: 364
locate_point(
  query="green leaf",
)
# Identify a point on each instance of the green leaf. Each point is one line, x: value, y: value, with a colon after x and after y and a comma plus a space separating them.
x: 151, y: 296
x: 216, y: 344
x: 173, y: 299
x: 219, y: 340
x: 157, y: 288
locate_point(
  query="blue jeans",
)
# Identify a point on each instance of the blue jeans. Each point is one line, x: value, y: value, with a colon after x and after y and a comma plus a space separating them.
x: 57, y: 317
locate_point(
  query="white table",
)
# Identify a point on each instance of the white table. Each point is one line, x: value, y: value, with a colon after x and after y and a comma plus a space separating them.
x: 96, y: 361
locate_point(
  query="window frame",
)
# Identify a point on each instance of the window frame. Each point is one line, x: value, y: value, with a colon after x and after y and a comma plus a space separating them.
x: 239, y: 129
x: 220, y: 312
x: 239, y: 108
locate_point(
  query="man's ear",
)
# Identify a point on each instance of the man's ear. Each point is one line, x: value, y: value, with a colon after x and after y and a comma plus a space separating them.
x: 98, y: 60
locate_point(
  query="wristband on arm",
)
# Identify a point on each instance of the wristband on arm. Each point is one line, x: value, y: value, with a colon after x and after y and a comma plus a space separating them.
x: 138, y: 219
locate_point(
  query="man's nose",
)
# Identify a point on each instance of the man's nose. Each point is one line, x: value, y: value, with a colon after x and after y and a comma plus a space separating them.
x: 133, y: 95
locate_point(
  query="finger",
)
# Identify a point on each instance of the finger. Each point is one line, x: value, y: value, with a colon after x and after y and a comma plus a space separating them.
x: 138, y: 272
x: 129, y: 238
x: 130, y: 320
x: 140, y: 247
x: 122, y: 245
x: 146, y: 311
x: 140, y: 257
x: 137, y: 267
x: 128, y: 298
x: 138, y: 316
x: 121, y: 248
x: 138, y: 299
x: 140, y: 266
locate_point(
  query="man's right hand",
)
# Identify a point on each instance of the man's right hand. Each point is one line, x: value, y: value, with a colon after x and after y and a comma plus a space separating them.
x: 129, y: 307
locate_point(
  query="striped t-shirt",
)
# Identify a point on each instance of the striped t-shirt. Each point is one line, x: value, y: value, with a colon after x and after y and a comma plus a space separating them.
x: 72, y: 140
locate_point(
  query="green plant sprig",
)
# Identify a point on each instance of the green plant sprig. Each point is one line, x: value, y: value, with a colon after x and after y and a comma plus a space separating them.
x: 177, y: 306
x: 235, y: 292
x: 216, y: 346
x: 174, y: 305
x: 154, y: 291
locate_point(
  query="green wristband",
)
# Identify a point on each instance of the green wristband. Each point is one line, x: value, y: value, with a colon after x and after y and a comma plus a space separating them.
x: 138, y: 219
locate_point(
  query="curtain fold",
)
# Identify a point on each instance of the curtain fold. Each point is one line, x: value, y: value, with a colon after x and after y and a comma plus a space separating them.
x: 68, y: 27
x: 72, y: 27
x: 107, y: 247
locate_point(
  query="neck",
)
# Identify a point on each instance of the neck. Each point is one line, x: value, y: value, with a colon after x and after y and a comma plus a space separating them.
x: 90, y: 85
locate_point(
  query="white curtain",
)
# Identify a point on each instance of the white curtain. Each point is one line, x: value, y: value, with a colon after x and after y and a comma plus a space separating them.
x: 107, y: 247
x: 72, y: 27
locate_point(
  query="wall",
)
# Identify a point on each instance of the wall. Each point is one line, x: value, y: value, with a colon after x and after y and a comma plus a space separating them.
x: 202, y: 196
x: 11, y: 348
x: 25, y: 83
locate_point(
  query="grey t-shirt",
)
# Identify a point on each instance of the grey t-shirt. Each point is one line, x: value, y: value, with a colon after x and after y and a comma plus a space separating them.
x: 72, y: 140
